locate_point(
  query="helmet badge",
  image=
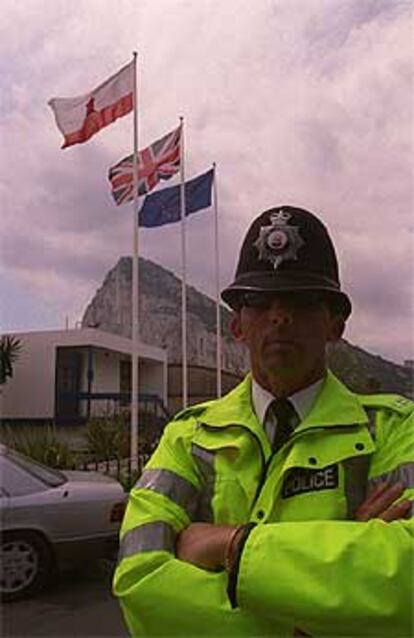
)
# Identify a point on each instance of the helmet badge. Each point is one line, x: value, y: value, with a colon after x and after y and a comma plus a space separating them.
x: 278, y: 242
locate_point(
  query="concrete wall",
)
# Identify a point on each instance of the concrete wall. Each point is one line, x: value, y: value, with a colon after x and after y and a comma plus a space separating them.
x: 29, y: 394
x: 106, y: 371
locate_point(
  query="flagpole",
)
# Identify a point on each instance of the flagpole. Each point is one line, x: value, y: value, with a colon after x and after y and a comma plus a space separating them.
x: 184, y: 271
x: 135, y: 283
x: 217, y: 275
x: 117, y: 296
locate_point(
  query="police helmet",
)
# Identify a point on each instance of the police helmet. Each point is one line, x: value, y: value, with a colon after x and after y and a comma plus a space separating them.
x: 288, y: 249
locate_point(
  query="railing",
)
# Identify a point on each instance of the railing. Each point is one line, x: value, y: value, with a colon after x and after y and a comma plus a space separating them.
x: 126, y: 471
x: 153, y: 417
x: 80, y: 406
x: 116, y: 467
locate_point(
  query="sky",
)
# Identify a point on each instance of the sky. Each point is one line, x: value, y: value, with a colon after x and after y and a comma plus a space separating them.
x: 299, y: 102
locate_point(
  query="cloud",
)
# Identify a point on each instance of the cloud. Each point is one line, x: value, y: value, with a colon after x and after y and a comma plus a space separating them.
x: 296, y: 103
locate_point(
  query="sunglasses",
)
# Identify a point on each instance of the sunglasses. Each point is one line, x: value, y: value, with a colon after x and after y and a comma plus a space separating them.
x: 307, y: 299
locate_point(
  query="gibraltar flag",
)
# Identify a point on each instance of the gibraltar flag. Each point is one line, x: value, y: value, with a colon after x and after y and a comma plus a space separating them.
x: 79, y: 118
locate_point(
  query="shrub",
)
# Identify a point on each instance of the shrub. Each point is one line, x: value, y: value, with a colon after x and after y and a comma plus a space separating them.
x: 108, y: 437
x: 40, y: 443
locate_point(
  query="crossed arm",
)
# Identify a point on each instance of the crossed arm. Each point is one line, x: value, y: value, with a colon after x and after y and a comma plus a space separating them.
x: 213, y: 547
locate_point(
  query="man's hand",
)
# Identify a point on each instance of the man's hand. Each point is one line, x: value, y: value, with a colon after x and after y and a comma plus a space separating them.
x: 380, y: 503
x: 204, y: 545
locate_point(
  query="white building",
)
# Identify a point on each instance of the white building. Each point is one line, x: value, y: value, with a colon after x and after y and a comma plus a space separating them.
x: 66, y: 376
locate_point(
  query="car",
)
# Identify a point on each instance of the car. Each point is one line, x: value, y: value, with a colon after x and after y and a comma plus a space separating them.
x: 50, y: 517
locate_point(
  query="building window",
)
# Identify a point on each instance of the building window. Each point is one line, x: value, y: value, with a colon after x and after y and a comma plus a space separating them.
x: 201, y: 347
x: 125, y: 381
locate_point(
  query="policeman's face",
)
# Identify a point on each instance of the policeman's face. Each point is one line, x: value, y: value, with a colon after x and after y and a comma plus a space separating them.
x: 286, y: 334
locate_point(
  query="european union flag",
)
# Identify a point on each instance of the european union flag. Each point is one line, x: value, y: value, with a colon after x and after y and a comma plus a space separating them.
x: 163, y: 207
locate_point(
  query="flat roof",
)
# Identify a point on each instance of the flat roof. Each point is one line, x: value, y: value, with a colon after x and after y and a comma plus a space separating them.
x: 93, y: 337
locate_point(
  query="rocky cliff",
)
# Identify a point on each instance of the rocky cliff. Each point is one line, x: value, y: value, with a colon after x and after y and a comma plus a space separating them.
x: 160, y: 325
x: 160, y: 315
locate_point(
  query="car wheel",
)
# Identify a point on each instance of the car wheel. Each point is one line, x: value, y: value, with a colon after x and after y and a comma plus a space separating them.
x: 25, y: 563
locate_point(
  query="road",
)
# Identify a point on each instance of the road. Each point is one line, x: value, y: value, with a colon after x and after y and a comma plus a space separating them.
x: 78, y: 603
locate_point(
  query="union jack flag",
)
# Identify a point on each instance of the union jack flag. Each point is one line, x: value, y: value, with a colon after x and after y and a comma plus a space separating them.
x: 161, y: 160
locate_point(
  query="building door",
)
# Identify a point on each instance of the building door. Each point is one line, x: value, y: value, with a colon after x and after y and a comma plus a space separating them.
x: 68, y: 384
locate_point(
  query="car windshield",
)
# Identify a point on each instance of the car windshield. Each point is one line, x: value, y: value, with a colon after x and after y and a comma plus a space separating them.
x: 51, y: 477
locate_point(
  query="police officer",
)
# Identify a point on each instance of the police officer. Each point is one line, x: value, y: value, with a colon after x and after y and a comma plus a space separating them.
x: 282, y: 508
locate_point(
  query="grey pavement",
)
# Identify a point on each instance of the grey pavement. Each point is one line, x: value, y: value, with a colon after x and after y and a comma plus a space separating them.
x: 78, y: 603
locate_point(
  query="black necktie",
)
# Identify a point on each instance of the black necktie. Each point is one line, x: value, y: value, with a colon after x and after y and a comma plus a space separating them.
x: 286, y: 421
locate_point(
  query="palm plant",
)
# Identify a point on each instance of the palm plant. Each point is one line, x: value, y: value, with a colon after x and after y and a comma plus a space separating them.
x: 10, y: 349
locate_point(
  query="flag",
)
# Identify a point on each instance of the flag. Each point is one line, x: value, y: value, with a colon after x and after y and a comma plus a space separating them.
x: 159, y: 161
x: 163, y: 207
x: 79, y: 118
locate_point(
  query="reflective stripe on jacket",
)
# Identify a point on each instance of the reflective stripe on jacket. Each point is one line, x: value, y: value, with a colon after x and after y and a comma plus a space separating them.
x: 306, y: 564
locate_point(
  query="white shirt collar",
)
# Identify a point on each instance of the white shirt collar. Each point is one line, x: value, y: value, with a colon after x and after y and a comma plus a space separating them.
x: 302, y: 400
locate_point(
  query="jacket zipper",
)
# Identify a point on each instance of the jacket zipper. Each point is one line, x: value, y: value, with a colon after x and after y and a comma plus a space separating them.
x: 264, y: 464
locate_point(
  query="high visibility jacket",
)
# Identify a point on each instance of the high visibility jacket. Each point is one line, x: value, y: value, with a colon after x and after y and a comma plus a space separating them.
x: 306, y: 564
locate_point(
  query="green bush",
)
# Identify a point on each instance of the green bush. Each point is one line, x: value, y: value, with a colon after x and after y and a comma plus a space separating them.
x: 40, y: 443
x: 108, y: 437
